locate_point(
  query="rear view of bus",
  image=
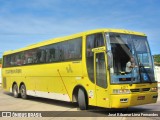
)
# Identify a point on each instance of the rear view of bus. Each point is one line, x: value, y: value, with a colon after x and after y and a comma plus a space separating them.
x: 137, y: 85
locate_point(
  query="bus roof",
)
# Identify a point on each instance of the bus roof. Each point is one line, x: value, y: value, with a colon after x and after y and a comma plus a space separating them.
x: 56, y: 40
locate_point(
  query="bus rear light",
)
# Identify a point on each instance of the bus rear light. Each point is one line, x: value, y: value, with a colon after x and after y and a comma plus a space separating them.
x: 154, y: 89
x: 121, y: 91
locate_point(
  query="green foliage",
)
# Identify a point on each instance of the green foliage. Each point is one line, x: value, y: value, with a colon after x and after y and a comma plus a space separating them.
x: 0, y: 60
x: 157, y: 59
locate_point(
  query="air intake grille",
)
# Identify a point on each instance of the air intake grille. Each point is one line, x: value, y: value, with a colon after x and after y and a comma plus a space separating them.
x: 135, y: 90
x: 145, y: 89
x: 140, y: 90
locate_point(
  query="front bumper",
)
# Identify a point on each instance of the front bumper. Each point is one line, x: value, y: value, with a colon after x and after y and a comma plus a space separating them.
x: 127, y: 100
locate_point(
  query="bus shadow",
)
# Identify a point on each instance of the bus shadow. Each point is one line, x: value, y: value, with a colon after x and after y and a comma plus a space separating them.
x: 7, y: 93
x: 90, y: 108
x: 53, y: 102
x: 47, y: 101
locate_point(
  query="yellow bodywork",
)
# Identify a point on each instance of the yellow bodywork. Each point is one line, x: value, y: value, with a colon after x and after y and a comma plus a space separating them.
x: 63, y: 77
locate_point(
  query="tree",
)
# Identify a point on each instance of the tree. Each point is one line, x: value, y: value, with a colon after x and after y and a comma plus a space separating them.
x: 157, y: 59
x: 0, y: 60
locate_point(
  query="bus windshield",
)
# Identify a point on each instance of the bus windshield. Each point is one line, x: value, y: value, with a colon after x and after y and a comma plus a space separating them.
x: 131, y: 59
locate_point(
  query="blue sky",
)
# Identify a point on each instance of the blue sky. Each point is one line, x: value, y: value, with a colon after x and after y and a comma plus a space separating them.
x: 24, y: 22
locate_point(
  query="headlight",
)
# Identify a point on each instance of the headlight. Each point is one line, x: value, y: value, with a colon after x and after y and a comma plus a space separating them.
x: 154, y: 89
x: 121, y: 91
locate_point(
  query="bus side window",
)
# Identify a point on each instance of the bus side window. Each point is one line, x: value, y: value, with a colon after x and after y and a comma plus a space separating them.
x: 98, y: 40
x: 47, y: 55
x: 52, y: 55
x: 30, y: 56
x: 61, y: 50
x: 92, y: 41
x: 7, y: 60
x: 23, y: 58
x: 43, y: 56
x: 20, y: 59
x: 29, y: 60
x: 73, y: 49
x: 95, y: 40
x: 12, y: 60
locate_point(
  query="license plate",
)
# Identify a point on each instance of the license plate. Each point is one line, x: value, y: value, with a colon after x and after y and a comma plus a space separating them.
x: 141, y: 98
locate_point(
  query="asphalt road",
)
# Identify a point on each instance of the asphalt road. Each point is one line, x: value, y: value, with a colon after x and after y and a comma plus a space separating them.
x: 9, y: 103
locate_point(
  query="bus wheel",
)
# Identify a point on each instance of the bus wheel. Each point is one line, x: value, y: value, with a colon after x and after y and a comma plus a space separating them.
x: 82, y: 100
x: 23, y: 91
x: 15, y: 91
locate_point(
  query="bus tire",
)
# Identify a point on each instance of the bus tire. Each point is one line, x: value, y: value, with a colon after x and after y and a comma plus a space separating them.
x: 23, y: 91
x: 82, y: 100
x: 15, y: 91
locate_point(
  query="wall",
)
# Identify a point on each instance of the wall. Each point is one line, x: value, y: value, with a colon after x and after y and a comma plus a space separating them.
x: 157, y: 75
x: 0, y: 74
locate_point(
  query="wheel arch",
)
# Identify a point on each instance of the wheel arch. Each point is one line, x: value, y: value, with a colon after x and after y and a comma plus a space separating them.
x: 75, y: 93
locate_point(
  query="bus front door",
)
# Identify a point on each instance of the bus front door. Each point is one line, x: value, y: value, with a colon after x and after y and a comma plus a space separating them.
x: 102, y: 95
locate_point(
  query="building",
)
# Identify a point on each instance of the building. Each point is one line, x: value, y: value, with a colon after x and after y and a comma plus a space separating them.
x: 157, y: 75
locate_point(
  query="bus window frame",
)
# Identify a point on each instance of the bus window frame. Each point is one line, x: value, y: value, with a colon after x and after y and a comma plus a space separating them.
x: 104, y: 45
x: 68, y: 60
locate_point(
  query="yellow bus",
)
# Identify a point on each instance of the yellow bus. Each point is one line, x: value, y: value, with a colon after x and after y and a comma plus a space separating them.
x: 89, y: 68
